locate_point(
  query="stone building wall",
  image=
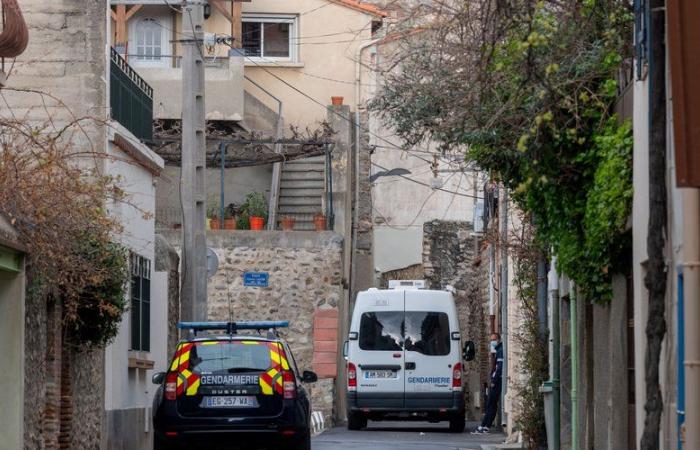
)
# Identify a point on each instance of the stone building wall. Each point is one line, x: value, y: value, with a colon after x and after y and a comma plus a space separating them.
x: 167, y: 260
x: 305, y: 276
x: 65, y: 60
x: 451, y: 257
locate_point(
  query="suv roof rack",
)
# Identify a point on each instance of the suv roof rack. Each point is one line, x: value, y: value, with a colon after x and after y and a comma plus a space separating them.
x: 234, y: 327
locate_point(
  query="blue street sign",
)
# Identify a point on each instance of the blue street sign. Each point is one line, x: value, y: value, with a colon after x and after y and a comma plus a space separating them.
x: 256, y: 279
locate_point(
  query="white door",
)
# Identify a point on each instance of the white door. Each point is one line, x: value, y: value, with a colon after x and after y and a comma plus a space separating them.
x: 378, y: 351
x: 430, y: 351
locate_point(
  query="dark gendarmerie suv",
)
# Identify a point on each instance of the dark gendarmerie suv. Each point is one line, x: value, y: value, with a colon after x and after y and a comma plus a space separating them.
x: 231, y: 390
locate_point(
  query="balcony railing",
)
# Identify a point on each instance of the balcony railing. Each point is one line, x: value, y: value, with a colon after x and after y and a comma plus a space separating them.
x: 131, y: 98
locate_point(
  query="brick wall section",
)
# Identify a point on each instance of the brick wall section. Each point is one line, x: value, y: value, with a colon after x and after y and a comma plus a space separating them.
x: 451, y: 257
x: 325, y: 359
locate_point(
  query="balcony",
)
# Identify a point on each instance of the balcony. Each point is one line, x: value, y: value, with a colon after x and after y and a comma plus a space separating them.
x: 223, y: 88
x: 131, y: 98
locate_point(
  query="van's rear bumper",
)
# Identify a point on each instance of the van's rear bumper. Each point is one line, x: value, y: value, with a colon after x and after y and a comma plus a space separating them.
x: 397, y: 402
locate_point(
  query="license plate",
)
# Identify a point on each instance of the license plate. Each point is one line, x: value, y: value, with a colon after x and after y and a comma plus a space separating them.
x: 230, y: 402
x: 374, y: 374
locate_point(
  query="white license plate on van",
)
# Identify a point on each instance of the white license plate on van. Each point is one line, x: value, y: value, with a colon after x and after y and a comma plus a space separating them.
x: 375, y: 374
x: 248, y: 401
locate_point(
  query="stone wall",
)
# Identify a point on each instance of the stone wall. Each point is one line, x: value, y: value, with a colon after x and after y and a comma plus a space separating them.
x: 305, y: 275
x: 451, y: 258
x: 167, y: 260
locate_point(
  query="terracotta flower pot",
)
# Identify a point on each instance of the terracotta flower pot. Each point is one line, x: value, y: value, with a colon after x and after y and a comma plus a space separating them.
x: 229, y: 224
x: 320, y: 222
x: 214, y: 224
x: 288, y: 223
x: 336, y: 101
x: 257, y: 223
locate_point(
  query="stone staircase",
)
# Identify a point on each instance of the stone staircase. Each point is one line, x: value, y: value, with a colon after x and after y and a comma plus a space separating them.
x: 302, y: 186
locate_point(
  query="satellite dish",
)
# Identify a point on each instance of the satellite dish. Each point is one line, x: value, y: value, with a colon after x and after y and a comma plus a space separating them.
x: 212, y: 263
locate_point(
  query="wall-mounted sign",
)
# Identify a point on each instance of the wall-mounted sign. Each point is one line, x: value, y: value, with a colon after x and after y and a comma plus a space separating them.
x: 256, y: 279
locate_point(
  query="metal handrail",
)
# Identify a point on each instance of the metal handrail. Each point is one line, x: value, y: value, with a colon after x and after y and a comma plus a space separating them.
x: 131, y: 73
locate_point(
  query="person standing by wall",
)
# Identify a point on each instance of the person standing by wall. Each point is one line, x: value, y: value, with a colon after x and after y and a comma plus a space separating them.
x: 494, y: 393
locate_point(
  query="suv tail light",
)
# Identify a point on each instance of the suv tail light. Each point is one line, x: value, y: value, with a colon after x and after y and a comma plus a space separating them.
x: 457, y: 377
x: 171, y: 386
x: 352, y: 377
x: 289, y: 386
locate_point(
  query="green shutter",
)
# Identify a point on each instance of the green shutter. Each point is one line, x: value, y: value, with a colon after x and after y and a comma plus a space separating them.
x: 10, y: 260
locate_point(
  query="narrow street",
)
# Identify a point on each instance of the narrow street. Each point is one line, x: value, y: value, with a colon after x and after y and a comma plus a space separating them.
x: 404, y: 435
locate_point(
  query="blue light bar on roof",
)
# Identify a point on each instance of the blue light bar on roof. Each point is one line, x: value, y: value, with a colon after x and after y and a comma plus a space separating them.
x: 233, y: 326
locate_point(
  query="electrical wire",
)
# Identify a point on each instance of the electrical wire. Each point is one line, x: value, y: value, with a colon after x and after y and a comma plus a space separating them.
x: 425, y: 184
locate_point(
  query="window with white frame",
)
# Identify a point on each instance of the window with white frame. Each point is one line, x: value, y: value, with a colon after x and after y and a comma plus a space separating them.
x: 270, y: 37
x: 149, y: 42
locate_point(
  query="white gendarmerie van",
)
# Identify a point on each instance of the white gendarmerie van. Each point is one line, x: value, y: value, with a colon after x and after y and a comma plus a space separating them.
x: 404, y: 358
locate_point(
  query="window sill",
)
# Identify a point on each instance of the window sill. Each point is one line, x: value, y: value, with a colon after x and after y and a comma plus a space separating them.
x: 273, y: 64
x: 139, y: 360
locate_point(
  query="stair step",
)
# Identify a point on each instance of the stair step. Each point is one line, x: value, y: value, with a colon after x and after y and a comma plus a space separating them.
x: 306, y: 175
x: 315, y: 168
x: 314, y: 159
x: 300, y: 209
x: 302, y: 184
x: 301, y: 192
x: 299, y: 201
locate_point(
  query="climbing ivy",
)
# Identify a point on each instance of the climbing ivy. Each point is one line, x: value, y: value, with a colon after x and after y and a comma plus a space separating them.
x: 527, y: 90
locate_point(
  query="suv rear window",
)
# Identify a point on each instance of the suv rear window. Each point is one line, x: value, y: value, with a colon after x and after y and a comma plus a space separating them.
x: 381, y: 330
x: 427, y: 333
x: 218, y: 356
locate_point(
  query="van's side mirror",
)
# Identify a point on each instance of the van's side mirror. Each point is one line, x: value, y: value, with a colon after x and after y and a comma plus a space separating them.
x: 309, y: 377
x: 469, y: 351
x: 158, y: 377
x: 346, y: 346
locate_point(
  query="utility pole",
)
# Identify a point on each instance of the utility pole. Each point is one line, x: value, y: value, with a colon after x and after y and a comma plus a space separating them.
x: 505, y: 336
x: 193, y: 189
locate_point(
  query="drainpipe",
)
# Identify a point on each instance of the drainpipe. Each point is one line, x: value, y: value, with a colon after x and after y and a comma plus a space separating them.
x: 542, y: 297
x: 503, y: 217
x: 555, y: 367
x: 691, y: 306
x: 574, y: 366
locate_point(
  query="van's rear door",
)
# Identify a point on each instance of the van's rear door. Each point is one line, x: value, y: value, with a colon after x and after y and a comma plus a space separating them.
x: 380, y: 358
x: 430, y: 353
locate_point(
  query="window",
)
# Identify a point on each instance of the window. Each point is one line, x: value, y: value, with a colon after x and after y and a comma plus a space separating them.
x: 381, y: 330
x: 427, y: 333
x: 269, y: 38
x: 149, y: 39
x: 229, y: 357
x: 140, y: 303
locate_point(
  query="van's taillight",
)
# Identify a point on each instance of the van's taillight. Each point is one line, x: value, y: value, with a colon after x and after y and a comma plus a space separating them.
x: 457, y: 377
x: 290, y: 388
x: 171, y: 386
x: 352, y: 377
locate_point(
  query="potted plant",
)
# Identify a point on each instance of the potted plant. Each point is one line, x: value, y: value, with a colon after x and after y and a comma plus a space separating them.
x: 320, y: 221
x: 255, y: 207
x: 213, y: 215
x: 230, y: 217
x: 287, y: 223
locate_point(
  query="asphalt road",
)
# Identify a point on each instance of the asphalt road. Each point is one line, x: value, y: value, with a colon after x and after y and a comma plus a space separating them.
x: 403, y: 436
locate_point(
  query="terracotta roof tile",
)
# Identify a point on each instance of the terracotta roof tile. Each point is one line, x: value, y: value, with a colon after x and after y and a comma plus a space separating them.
x: 364, y: 7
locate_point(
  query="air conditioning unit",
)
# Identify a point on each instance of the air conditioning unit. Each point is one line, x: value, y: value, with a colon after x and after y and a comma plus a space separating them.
x: 406, y: 284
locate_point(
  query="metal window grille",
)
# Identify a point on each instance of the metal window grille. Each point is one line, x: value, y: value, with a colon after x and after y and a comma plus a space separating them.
x: 140, y: 303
